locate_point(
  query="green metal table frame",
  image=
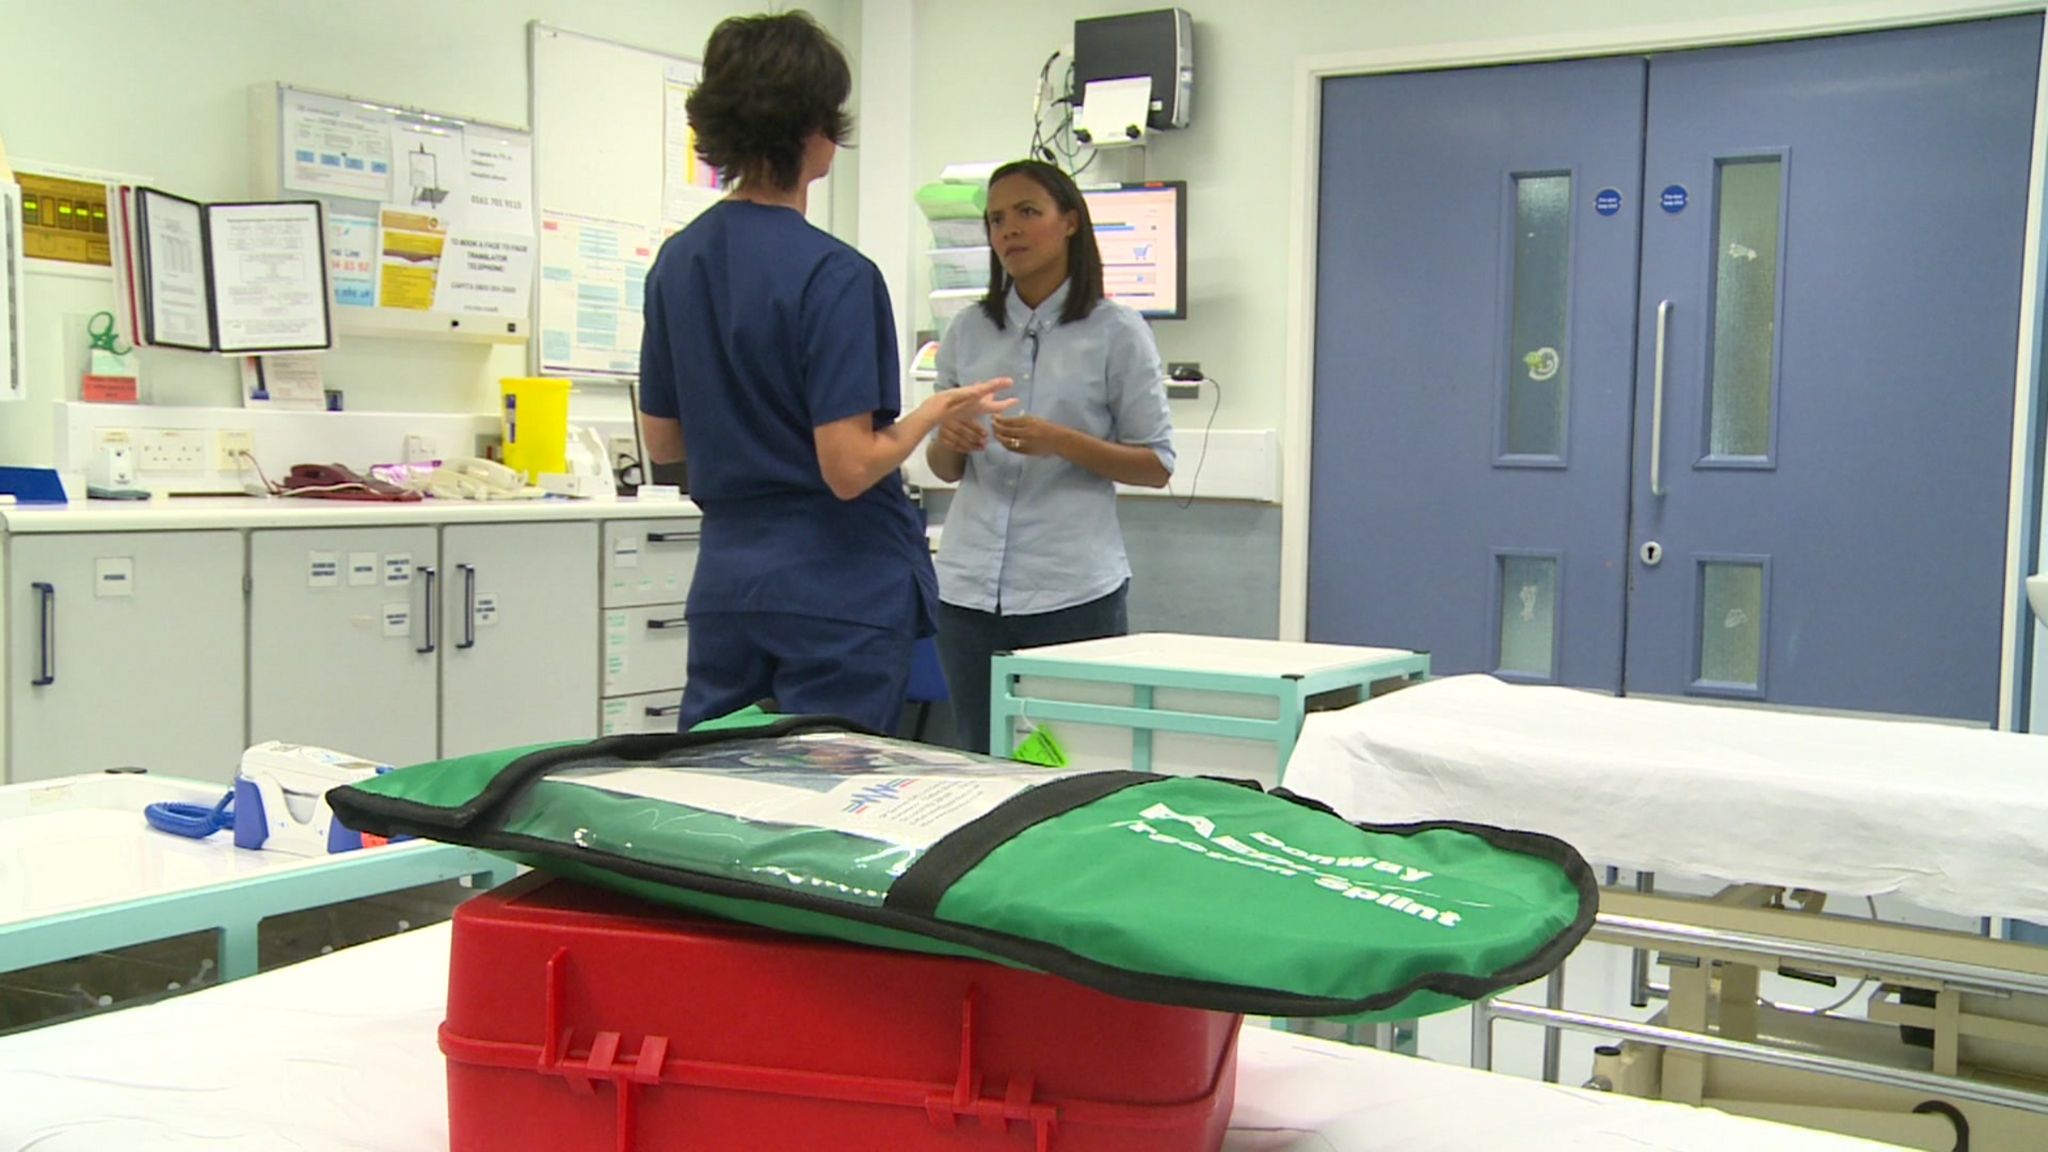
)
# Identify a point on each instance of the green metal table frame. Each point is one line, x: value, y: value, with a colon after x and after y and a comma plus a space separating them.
x: 234, y: 908
x: 1290, y: 692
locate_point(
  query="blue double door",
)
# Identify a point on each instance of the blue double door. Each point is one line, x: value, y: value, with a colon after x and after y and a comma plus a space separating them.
x: 1685, y: 375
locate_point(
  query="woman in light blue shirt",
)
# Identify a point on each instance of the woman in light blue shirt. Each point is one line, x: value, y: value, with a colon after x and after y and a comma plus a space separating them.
x: 1032, y: 553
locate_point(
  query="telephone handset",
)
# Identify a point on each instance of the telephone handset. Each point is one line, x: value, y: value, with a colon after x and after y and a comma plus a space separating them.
x: 473, y: 478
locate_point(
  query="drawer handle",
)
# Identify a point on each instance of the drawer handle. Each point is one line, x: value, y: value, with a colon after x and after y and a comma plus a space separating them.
x: 670, y: 537
x: 665, y: 710
x: 46, y: 666
x: 662, y: 625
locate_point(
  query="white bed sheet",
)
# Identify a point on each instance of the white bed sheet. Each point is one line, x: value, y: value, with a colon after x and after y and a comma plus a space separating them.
x: 1949, y: 818
x: 339, y: 1055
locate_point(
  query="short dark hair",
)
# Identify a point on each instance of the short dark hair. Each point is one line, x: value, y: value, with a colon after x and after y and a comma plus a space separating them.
x: 1084, y: 258
x: 768, y: 83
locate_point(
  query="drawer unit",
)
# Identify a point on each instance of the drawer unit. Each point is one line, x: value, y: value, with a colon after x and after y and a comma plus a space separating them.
x: 648, y: 562
x: 645, y: 650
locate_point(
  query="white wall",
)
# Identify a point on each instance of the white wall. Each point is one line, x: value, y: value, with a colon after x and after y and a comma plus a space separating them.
x: 159, y: 89
x: 977, y: 61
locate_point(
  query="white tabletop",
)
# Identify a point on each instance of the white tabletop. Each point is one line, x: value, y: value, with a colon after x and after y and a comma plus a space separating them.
x: 338, y: 1054
x: 81, y: 842
x: 1172, y: 651
x: 181, y: 513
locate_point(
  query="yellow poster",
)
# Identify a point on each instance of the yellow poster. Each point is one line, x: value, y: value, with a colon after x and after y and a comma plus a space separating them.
x: 64, y: 220
x: 409, y: 258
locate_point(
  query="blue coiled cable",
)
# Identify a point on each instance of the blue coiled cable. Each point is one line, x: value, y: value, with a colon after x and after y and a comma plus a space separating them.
x: 194, y: 820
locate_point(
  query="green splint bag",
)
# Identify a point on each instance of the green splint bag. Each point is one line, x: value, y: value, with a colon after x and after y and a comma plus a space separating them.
x: 1178, y: 890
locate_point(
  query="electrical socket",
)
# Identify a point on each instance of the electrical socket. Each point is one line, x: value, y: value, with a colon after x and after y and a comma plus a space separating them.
x: 171, y: 450
x: 105, y: 436
x: 1183, y: 389
x: 421, y: 448
x: 622, y: 448
x: 229, y: 445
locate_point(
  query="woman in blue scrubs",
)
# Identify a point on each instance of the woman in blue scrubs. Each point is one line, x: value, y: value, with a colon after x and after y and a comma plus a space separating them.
x: 1032, y: 553
x: 769, y: 361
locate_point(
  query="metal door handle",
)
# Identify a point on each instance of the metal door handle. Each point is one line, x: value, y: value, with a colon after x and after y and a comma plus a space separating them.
x: 664, y: 710
x: 46, y: 609
x: 665, y: 624
x: 429, y: 577
x: 670, y: 537
x: 1657, y: 402
x: 468, y: 606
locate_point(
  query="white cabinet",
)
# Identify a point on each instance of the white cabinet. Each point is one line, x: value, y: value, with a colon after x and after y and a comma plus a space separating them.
x: 648, y: 565
x: 519, y: 655
x: 343, y: 652
x: 124, y: 648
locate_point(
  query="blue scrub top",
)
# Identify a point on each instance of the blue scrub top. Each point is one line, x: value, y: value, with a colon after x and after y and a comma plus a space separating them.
x: 759, y: 329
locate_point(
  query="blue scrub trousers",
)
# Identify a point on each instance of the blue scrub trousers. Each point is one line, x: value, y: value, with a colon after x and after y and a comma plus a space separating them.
x: 809, y: 665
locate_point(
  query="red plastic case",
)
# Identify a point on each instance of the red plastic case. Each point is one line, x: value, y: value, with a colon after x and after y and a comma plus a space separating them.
x: 583, y: 1019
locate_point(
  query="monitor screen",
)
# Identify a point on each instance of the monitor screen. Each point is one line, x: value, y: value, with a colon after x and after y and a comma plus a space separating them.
x: 1142, y: 230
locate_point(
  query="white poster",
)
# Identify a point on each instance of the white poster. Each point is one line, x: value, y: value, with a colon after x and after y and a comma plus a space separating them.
x: 352, y: 259
x: 688, y: 185
x: 593, y: 276
x: 431, y: 168
x: 485, y: 275
x: 500, y: 182
x: 335, y: 148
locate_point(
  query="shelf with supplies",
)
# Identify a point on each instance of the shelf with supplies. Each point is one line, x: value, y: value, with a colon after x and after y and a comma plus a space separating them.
x: 429, y: 216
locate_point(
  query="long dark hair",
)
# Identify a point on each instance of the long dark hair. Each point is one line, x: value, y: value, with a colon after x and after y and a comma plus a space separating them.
x: 769, y: 82
x: 1084, y: 259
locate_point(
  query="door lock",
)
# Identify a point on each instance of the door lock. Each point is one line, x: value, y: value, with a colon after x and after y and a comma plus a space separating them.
x: 1652, y: 553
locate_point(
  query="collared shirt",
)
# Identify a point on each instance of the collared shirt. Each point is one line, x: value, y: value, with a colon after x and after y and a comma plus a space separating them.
x: 760, y: 328
x: 1031, y: 534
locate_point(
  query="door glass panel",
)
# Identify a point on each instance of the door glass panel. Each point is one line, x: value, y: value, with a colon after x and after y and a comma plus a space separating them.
x: 1536, y: 377
x: 1745, y: 306
x: 1731, y: 624
x: 1528, y: 616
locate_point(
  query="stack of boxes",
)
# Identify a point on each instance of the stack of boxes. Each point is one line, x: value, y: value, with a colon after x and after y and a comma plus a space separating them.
x: 959, y: 254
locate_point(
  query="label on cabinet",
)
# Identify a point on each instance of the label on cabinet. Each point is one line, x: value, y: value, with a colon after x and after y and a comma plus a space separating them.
x: 398, y: 569
x: 486, y: 610
x: 362, y: 569
x: 323, y: 570
x: 626, y: 552
x: 113, y: 576
x: 398, y: 620
x: 615, y: 632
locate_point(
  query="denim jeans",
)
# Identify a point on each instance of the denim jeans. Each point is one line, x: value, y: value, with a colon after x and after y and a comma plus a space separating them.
x: 968, y: 640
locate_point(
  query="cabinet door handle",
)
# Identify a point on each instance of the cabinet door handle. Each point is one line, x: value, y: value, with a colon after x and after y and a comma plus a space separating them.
x: 468, y: 606
x: 430, y: 578
x: 46, y: 615
x: 664, y: 624
x: 670, y: 537
x: 1657, y: 401
x: 659, y: 710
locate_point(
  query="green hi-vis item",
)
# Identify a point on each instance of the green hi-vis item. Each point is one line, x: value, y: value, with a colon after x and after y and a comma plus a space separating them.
x: 1179, y: 890
x: 952, y: 201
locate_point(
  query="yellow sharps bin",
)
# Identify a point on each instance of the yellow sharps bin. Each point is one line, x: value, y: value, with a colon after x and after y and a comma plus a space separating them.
x: 534, y: 425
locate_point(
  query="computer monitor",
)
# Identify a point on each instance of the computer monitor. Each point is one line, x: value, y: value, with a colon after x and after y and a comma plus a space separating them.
x: 1142, y: 230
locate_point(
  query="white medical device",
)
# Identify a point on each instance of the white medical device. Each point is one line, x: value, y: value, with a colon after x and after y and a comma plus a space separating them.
x: 281, y: 798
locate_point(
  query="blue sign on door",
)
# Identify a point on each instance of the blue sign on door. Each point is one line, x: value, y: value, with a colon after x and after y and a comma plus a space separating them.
x: 1608, y: 202
x: 1674, y: 198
